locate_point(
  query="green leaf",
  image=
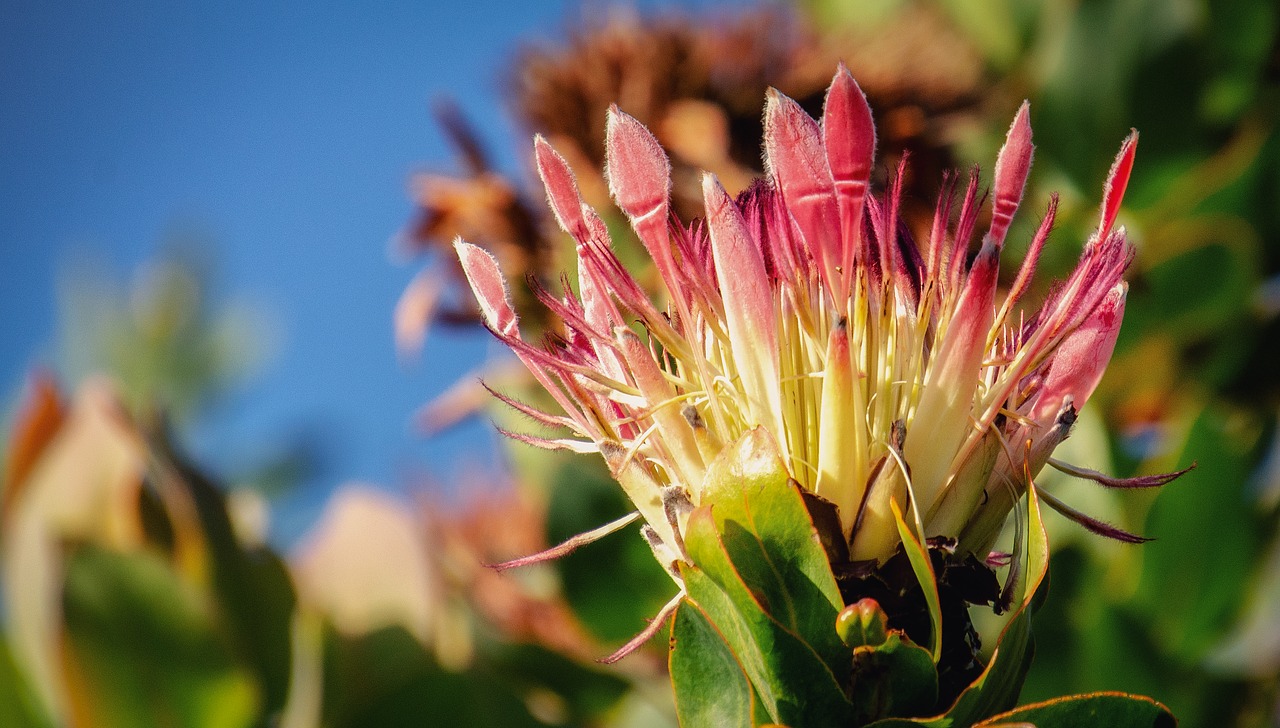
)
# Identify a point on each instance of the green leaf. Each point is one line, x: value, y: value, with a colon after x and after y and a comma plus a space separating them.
x: 895, y: 678
x: 252, y: 586
x: 710, y: 686
x: 794, y: 684
x: 998, y: 686
x: 148, y: 648
x: 767, y: 533
x: 1115, y: 710
x: 922, y: 565
x: 760, y: 574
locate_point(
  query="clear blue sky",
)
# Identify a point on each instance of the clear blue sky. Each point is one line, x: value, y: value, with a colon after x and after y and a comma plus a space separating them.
x: 287, y: 135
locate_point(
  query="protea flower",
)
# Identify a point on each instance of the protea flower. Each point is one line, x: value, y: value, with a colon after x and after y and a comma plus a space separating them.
x: 887, y: 374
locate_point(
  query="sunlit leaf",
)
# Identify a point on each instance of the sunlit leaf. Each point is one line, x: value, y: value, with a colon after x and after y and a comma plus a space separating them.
x: 1115, y: 710
x: 711, y: 688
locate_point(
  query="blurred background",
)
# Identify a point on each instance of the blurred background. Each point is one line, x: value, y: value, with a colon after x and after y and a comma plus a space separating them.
x: 250, y: 479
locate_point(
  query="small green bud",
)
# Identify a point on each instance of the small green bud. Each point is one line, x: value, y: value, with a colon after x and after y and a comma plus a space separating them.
x: 863, y: 624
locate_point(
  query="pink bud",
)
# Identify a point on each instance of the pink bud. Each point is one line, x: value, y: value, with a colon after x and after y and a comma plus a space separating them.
x: 1012, y: 167
x: 489, y: 287
x: 639, y: 175
x: 796, y: 158
x: 562, y: 190
x: 850, y: 136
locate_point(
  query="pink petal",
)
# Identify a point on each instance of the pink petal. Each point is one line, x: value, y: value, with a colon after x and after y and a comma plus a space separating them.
x: 569, y: 546
x: 1107, y: 481
x: 1094, y: 525
x: 939, y: 425
x: 969, y: 210
x: 842, y: 431
x: 646, y: 634
x: 1028, y: 269
x: 938, y: 232
x: 1082, y: 357
x: 676, y: 434
x: 748, y: 304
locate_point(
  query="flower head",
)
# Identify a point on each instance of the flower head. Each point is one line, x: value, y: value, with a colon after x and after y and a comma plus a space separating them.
x: 887, y: 371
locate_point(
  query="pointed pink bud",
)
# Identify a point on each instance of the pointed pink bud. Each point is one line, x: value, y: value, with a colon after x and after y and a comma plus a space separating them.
x: 489, y: 287
x: 638, y: 170
x: 562, y: 190
x: 748, y: 304
x: 849, y: 133
x: 639, y: 175
x: 1117, y: 182
x: 1012, y: 167
x: 1081, y: 358
x: 596, y: 229
x: 796, y: 158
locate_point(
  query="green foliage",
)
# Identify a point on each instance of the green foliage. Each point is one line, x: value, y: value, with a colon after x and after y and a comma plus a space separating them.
x: 1000, y: 683
x: 788, y: 673
x: 388, y: 679
x: 761, y: 576
x: 19, y: 707
x: 149, y: 647
x: 1182, y: 596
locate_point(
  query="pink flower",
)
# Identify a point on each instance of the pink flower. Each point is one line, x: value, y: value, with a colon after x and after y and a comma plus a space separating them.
x: 885, y: 370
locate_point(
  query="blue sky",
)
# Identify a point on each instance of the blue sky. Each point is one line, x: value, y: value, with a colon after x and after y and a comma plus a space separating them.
x: 287, y: 136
